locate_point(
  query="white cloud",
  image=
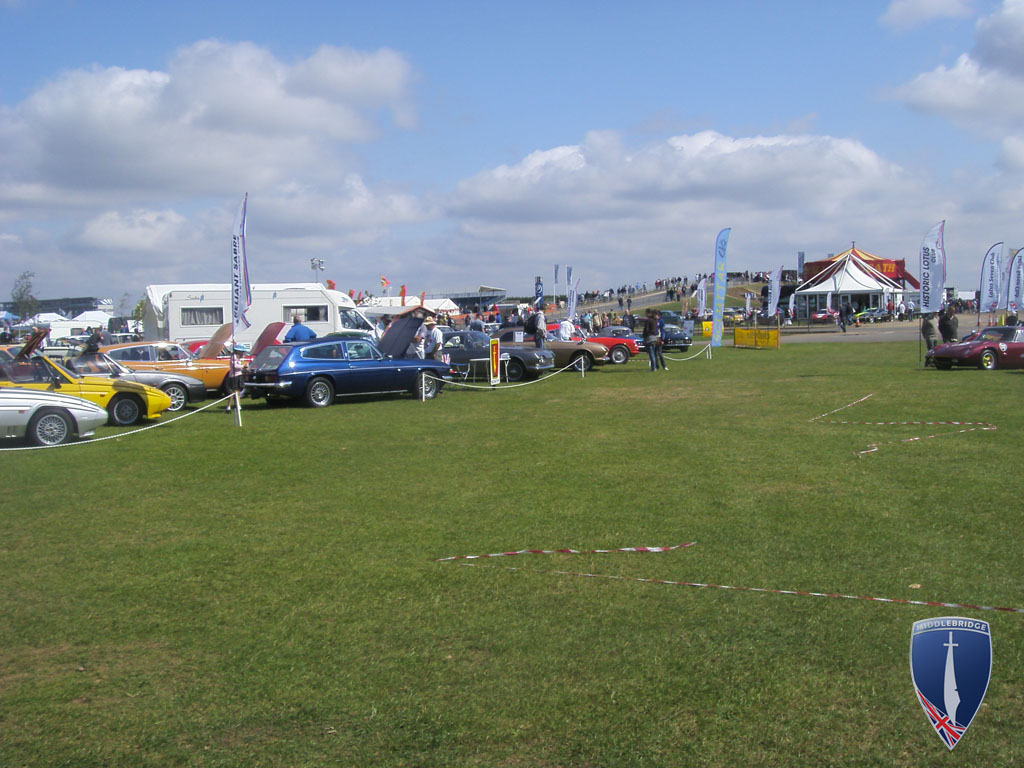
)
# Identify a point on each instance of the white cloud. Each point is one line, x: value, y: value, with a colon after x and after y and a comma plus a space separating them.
x: 128, y: 161
x: 611, y: 210
x: 983, y: 92
x: 905, y: 14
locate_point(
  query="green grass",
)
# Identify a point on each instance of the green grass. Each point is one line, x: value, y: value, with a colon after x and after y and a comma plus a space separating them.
x: 205, y: 595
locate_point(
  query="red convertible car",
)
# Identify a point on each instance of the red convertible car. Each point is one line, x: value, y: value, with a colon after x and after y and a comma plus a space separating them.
x: 1000, y: 346
x: 620, y: 349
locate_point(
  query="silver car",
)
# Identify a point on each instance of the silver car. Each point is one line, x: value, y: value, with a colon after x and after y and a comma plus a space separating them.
x: 47, y: 418
x: 180, y: 388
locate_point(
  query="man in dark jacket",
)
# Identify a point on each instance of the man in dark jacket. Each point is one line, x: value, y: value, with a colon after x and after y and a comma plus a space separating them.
x: 948, y: 325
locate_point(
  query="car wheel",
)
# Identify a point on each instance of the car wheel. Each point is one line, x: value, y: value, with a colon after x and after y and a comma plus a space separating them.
x: 588, y: 361
x: 319, y: 392
x: 124, y: 410
x: 428, y: 386
x: 988, y: 361
x: 50, y: 427
x: 515, y: 370
x: 619, y: 355
x: 178, y: 395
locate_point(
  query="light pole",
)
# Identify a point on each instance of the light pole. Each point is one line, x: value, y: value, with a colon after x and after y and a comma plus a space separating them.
x: 317, y: 265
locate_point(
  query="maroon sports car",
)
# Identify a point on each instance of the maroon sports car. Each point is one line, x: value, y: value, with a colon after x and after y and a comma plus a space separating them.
x: 1000, y: 346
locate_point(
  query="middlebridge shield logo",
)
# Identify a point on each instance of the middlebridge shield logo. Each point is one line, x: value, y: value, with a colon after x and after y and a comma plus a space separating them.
x: 950, y: 664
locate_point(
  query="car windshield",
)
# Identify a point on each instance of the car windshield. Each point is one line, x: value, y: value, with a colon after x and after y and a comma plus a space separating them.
x: 468, y: 339
x: 270, y: 358
x: 31, y: 371
x: 93, y: 365
x: 997, y: 334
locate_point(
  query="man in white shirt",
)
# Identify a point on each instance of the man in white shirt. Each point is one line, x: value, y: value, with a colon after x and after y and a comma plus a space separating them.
x: 565, y: 330
x: 432, y: 339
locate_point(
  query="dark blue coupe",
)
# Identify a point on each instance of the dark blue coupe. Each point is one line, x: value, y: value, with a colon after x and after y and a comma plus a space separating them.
x: 319, y: 371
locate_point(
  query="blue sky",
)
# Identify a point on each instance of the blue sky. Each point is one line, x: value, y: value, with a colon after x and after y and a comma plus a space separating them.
x: 452, y: 144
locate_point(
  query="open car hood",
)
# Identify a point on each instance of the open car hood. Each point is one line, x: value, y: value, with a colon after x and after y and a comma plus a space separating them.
x: 215, y: 345
x: 34, y: 342
x: 400, y: 333
x: 268, y: 337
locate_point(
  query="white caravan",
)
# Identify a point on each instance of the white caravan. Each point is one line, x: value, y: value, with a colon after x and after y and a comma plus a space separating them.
x: 194, y: 312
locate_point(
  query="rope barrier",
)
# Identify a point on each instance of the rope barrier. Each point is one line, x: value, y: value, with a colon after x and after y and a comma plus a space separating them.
x: 767, y: 590
x: 95, y: 440
x: 706, y: 351
x: 569, y: 552
x: 577, y: 364
x: 970, y: 426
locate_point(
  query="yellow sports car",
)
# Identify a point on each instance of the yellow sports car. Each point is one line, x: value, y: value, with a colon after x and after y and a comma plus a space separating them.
x: 125, y: 402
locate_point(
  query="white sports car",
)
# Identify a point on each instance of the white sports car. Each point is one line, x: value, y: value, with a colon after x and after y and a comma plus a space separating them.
x: 47, y: 418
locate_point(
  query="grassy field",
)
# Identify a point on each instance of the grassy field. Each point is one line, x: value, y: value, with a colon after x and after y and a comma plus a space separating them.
x: 200, y: 594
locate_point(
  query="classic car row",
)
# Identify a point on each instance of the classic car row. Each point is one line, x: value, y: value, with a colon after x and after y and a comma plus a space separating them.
x: 49, y: 401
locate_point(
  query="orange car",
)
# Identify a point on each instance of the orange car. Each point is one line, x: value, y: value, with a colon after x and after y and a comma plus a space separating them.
x: 168, y: 356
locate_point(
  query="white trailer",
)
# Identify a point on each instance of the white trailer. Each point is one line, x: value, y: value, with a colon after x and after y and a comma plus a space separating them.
x: 194, y: 312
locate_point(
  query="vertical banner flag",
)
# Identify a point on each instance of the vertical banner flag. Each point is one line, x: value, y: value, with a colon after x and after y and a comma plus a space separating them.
x: 702, y: 297
x: 538, y: 291
x: 746, y: 297
x: 721, y: 282
x: 241, y: 291
x: 933, y: 270
x: 1015, y: 281
x: 828, y: 301
x: 990, y: 277
x: 572, y: 298
x: 774, y: 287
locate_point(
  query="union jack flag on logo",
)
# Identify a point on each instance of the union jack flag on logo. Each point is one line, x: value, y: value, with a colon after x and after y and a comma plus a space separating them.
x: 950, y: 665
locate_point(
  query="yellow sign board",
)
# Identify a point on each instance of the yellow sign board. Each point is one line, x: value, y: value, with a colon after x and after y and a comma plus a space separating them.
x: 756, y: 338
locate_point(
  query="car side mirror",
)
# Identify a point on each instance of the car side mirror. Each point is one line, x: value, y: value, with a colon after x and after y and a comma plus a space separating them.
x: 55, y: 380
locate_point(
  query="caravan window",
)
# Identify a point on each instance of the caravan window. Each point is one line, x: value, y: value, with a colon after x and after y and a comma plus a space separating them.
x: 202, y: 316
x: 350, y: 319
x: 315, y: 314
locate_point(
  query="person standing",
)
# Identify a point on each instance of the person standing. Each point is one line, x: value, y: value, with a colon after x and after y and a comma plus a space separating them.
x: 540, y: 326
x: 651, y: 338
x: 432, y: 339
x: 949, y: 325
x: 298, y: 331
x: 659, y: 358
x: 565, y: 330
x: 929, y: 331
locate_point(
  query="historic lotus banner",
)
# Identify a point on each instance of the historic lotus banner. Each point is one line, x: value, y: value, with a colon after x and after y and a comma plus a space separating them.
x: 933, y: 269
x: 721, y: 282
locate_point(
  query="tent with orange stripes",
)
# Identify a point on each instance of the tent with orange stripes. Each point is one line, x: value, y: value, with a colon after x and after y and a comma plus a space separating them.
x: 854, y: 277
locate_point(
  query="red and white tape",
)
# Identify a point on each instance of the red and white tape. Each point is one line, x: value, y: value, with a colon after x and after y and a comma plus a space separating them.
x: 969, y: 426
x: 768, y: 590
x: 568, y: 552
